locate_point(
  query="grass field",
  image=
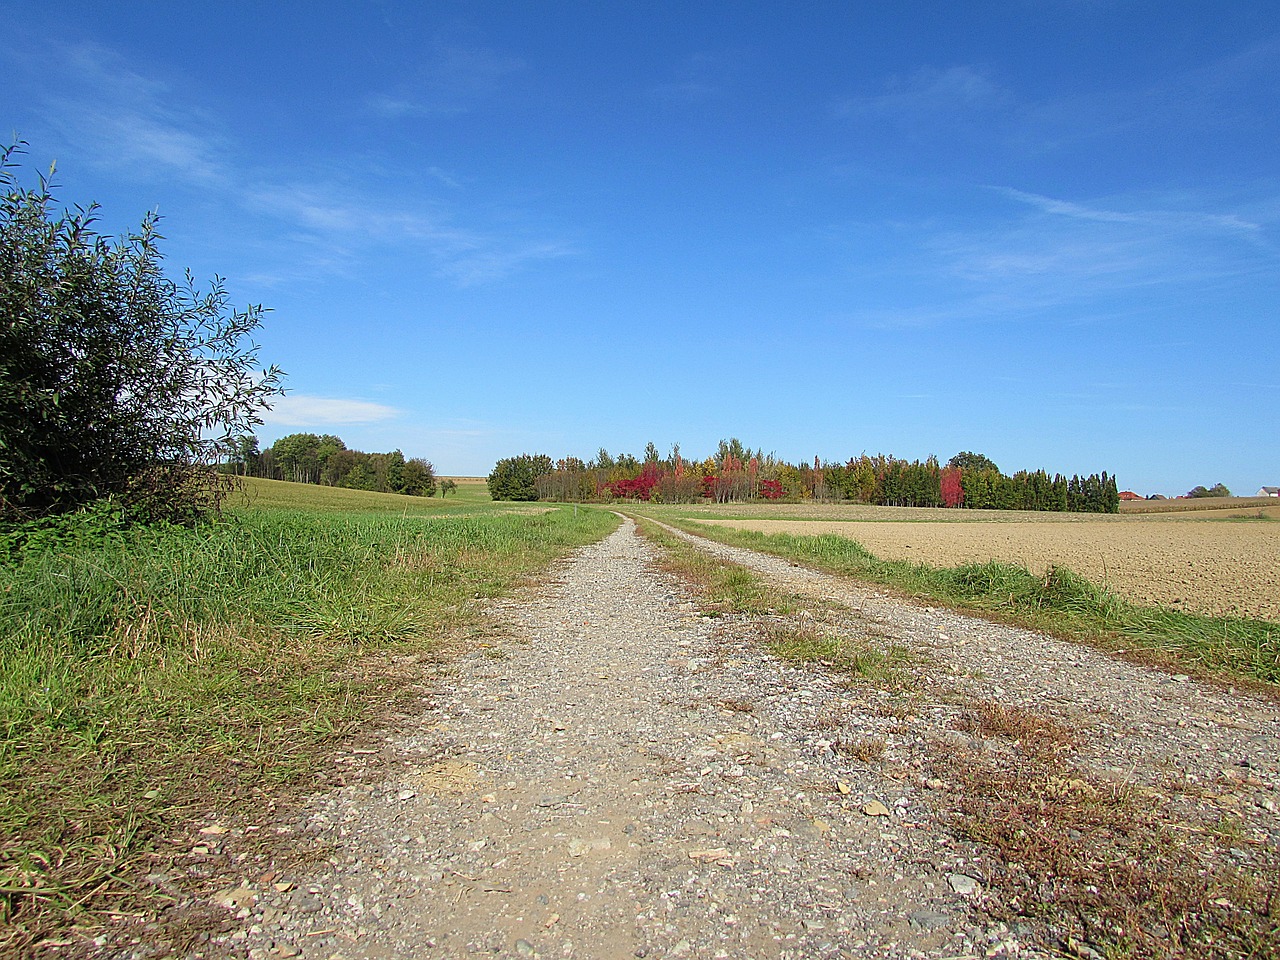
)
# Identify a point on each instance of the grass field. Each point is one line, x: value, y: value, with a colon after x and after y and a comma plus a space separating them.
x: 150, y: 676
x: 254, y: 493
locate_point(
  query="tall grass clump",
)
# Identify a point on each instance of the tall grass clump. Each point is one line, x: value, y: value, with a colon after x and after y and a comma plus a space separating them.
x: 1059, y: 602
x: 147, y: 673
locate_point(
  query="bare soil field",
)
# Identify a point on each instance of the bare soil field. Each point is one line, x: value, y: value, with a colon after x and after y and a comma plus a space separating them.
x: 1224, y: 568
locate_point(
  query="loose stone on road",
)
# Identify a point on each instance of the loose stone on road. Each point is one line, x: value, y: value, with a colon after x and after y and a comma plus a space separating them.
x: 596, y: 786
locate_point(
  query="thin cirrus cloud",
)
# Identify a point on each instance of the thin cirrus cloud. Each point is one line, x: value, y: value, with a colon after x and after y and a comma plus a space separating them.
x: 929, y: 91
x: 116, y: 116
x: 452, y: 82
x: 298, y: 410
x: 1072, y: 261
x: 136, y: 123
x: 1168, y: 220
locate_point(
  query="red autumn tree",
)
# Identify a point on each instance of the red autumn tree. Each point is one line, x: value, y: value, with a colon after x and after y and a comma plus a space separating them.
x: 952, y: 491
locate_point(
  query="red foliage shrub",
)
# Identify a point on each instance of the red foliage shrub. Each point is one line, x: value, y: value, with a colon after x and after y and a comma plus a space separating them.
x: 952, y: 491
x: 771, y: 489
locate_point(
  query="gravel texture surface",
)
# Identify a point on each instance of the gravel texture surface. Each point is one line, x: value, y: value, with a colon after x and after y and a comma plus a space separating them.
x: 618, y: 775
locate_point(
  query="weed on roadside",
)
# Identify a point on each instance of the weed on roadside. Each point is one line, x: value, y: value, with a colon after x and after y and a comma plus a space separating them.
x: 1095, y: 861
x: 868, y: 750
x: 725, y: 587
x: 855, y: 657
x: 1100, y: 868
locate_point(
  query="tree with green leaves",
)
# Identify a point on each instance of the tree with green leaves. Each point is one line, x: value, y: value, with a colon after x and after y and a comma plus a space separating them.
x: 1217, y: 490
x: 977, y: 462
x: 516, y: 478
x: 419, y: 478
x: 115, y: 381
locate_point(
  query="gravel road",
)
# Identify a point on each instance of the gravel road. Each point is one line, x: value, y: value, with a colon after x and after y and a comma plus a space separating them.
x: 617, y: 775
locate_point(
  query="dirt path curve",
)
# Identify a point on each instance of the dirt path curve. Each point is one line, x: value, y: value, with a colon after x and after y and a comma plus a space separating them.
x: 619, y: 776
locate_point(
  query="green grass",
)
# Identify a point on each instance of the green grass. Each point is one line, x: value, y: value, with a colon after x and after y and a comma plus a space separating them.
x: 150, y: 674
x: 254, y: 493
x: 725, y: 587
x: 730, y: 588
x: 1061, y: 603
x: 855, y: 657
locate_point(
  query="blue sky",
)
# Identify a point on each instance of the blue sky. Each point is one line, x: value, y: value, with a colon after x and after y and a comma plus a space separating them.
x: 1044, y: 230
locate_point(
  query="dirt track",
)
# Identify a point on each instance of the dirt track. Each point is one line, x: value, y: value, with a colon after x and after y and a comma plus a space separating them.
x: 615, y: 775
x: 1217, y: 568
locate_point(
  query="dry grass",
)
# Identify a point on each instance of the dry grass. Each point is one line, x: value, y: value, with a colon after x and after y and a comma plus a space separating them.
x: 866, y: 749
x: 1098, y: 864
x: 1037, y: 734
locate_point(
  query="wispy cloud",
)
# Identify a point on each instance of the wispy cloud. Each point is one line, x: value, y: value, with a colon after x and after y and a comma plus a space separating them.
x: 123, y: 119
x: 298, y: 410
x: 928, y: 93
x: 1069, y: 261
x: 140, y: 126
x: 1083, y: 248
x: 1184, y: 220
x: 453, y: 81
x: 494, y: 263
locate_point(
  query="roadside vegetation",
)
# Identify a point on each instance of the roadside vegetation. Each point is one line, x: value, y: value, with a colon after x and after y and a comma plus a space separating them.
x: 1100, y: 868
x: 150, y: 673
x: 794, y: 630
x: 1059, y: 603
x: 169, y: 648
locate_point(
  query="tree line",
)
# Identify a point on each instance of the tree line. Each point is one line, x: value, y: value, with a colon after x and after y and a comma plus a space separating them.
x: 736, y: 472
x: 325, y: 459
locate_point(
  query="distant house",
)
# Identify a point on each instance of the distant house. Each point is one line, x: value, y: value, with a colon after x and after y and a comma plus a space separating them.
x: 1264, y: 492
x: 1130, y: 495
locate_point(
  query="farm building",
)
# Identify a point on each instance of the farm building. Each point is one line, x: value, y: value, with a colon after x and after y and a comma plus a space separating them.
x: 1264, y: 492
x: 1130, y: 495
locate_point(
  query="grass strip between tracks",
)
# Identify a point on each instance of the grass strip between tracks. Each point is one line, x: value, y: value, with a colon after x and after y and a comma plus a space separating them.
x: 1060, y: 603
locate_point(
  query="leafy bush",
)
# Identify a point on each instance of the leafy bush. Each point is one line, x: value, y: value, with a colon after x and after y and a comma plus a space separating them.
x: 114, y: 380
x: 1217, y: 490
x: 515, y: 478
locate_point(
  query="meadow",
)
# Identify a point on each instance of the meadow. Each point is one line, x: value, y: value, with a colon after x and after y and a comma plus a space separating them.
x: 149, y: 676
